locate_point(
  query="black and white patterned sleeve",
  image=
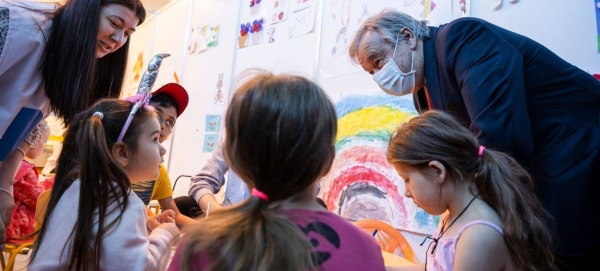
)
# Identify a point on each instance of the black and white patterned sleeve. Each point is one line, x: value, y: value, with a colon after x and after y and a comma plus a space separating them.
x: 4, y: 17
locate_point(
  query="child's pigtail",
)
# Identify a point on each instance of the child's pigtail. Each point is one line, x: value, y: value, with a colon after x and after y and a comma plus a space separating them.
x: 250, y: 233
x: 509, y: 189
x: 97, y: 170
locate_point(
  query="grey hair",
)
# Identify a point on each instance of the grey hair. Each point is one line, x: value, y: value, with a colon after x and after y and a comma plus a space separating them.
x: 388, y: 24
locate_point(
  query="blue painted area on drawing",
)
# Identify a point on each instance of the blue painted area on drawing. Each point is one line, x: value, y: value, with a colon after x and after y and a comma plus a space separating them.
x: 598, y: 21
x: 379, y: 138
x: 422, y: 218
x: 357, y: 102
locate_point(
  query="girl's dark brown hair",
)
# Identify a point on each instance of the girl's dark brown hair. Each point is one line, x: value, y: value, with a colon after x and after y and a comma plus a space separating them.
x: 73, y: 78
x: 87, y: 155
x: 501, y: 181
x: 280, y: 133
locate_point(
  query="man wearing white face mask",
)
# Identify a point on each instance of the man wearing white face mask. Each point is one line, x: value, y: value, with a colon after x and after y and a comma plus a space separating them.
x: 515, y: 95
x: 392, y: 80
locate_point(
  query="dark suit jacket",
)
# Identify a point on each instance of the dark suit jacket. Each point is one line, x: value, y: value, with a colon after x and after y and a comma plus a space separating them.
x: 521, y: 98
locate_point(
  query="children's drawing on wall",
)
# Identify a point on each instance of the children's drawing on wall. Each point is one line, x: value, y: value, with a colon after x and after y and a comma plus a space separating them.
x: 243, y: 38
x: 203, y: 37
x: 271, y: 33
x: 211, y: 36
x: 175, y: 77
x: 341, y: 39
x: 208, y: 37
x: 255, y: 6
x: 302, y: 4
x: 279, y: 11
x: 465, y: 8
x: 219, y: 97
x: 302, y: 22
x: 361, y: 183
x: 497, y: 4
x: 137, y: 67
x: 434, y: 11
x: 342, y: 18
x: 135, y: 75
x: 428, y: 6
x: 210, y: 142
x: 194, y: 36
x: 213, y: 123
x: 597, y: 7
x: 256, y: 31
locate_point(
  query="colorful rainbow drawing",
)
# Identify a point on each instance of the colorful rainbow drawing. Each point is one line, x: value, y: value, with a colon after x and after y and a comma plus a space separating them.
x: 361, y: 183
x: 598, y: 21
x: 428, y: 6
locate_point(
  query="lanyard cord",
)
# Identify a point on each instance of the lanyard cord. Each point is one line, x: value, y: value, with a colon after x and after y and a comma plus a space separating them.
x: 435, y: 240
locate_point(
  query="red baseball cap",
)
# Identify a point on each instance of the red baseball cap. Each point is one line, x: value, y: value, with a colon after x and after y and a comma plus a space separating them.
x: 177, y: 93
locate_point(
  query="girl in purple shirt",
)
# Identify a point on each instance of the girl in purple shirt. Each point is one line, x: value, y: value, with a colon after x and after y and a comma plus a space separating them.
x: 280, y: 140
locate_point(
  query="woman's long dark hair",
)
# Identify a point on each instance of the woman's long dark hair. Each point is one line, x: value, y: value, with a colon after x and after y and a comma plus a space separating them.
x: 280, y: 132
x: 501, y: 181
x: 73, y: 78
x: 87, y: 155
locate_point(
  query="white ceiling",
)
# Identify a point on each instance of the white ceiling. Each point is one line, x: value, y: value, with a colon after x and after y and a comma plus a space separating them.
x: 150, y: 5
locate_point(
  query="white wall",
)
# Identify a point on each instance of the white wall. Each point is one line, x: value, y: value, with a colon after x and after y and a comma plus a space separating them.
x: 568, y: 28
x: 200, y: 78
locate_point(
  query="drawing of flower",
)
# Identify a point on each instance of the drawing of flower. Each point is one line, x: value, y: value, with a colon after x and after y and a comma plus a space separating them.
x: 254, y: 7
x: 244, y: 29
x: 254, y: 2
x: 256, y: 26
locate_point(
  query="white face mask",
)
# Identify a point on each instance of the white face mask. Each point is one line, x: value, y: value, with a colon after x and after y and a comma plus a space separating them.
x: 392, y: 80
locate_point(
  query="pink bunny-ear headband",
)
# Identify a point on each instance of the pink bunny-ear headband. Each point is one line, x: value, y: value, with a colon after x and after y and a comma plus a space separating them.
x: 138, y: 100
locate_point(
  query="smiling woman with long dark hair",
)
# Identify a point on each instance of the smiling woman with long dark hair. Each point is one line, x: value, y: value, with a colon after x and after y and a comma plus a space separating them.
x: 56, y: 60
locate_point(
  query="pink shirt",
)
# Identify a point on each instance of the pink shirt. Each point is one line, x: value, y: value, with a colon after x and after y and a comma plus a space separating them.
x: 443, y: 257
x: 338, y: 244
x: 26, y: 190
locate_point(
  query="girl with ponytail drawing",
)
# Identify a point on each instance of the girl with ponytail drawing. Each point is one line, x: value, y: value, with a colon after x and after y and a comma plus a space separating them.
x: 93, y: 219
x: 494, y: 220
x: 280, y: 134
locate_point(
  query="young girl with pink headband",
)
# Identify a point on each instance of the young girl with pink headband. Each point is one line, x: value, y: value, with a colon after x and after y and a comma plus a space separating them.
x: 280, y: 140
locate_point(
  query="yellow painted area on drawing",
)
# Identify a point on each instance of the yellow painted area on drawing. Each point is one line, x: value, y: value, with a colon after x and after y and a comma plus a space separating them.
x: 427, y: 8
x: 371, y: 119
